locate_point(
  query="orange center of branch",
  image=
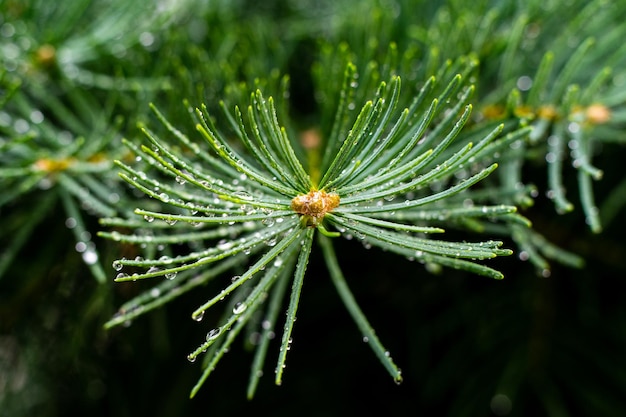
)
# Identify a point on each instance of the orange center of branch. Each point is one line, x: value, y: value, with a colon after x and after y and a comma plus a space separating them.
x: 314, y: 205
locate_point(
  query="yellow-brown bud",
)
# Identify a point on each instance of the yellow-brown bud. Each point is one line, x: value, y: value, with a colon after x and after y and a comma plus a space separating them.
x: 314, y: 205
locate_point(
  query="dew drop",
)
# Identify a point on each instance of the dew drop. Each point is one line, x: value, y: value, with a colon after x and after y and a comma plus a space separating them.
x: 148, y: 218
x: 524, y: 83
x: 239, y: 308
x: 70, y: 222
x: 501, y: 405
x: 243, y: 195
x: 170, y: 275
x: 90, y: 257
x: 117, y: 265
x: 191, y: 357
x: 199, y: 316
x: 224, y: 245
x: 165, y: 259
x: 269, y: 221
x: 398, y: 380
x: 213, y: 334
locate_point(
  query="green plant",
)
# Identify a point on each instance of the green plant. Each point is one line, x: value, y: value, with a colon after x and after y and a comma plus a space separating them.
x: 341, y: 157
x: 389, y: 178
x: 62, y: 115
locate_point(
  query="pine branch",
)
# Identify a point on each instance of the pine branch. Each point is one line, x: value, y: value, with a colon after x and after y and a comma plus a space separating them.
x: 273, y: 208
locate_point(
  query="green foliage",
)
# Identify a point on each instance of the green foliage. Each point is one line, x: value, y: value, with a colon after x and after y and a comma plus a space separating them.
x: 278, y: 136
x: 382, y: 165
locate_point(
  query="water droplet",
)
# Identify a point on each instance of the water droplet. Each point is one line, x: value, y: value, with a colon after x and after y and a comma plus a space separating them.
x: 224, y: 245
x: 398, y: 380
x: 90, y: 257
x: 117, y: 265
x: 239, y: 308
x: 148, y: 218
x: 366, y: 339
x: 243, y: 195
x: 551, y: 157
x: 501, y: 405
x: 524, y: 83
x: 271, y: 241
x: 269, y: 221
x: 121, y: 275
x: 199, y: 316
x: 573, y: 127
x: 191, y: 357
x: 213, y: 334
x: 171, y: 222
x: 170, y: 275
x: 278, y: 262
x: 165, y: 259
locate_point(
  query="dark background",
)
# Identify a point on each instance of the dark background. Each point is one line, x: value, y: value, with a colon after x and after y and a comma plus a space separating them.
x: 459, y: 339
x: 467, y: 345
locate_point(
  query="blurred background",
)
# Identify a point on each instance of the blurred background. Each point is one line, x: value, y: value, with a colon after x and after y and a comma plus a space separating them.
x: 76, y: 77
